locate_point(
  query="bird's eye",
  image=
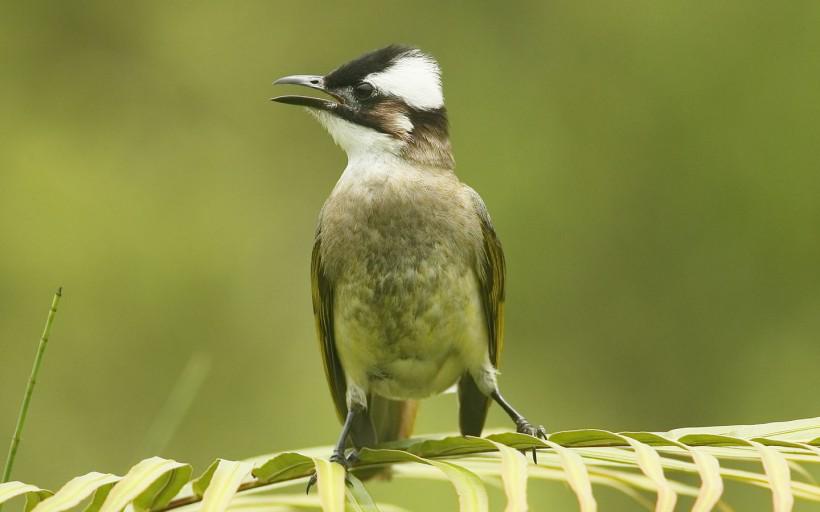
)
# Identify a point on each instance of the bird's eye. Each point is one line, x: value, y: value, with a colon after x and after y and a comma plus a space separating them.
x: 363, y: 91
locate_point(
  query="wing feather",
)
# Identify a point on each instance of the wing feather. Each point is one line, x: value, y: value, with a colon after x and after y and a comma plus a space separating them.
x: 491, y: 277
x: 490, y: 269
x: 322, y: 292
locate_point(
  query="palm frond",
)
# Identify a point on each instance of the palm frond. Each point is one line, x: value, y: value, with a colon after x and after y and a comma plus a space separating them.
x: 646, y: 466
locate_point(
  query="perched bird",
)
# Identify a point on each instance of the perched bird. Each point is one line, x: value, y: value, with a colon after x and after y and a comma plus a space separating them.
x: 407, y: 270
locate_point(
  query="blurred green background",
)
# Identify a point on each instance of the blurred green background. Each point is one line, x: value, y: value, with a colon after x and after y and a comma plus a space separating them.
x: 651, y: 167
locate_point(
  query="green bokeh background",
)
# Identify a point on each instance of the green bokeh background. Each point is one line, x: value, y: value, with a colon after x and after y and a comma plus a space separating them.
x: 651, y: 167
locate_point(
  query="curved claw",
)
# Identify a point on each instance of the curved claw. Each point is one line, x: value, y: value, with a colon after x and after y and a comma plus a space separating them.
x: 340, y: 459
x: 525, y: 427
x: 311, y: 483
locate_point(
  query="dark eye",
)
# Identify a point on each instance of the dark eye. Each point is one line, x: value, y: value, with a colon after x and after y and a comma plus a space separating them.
x: 363, y: 91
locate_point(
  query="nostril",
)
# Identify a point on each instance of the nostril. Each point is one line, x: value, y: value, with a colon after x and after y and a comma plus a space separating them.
x: 314, y: 81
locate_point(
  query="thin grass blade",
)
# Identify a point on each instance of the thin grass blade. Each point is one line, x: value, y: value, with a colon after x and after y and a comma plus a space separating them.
x: 32, y: 498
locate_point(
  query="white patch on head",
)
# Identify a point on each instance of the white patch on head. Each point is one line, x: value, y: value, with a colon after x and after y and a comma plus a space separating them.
x: 414, y: 77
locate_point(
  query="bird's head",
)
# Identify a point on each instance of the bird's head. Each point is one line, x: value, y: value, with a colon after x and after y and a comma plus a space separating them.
x: 386, y: 101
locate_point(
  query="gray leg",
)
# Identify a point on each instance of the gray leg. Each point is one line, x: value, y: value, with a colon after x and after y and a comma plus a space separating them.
x: 522, y: 426
x: 338, y: 455
x: 339, y: 452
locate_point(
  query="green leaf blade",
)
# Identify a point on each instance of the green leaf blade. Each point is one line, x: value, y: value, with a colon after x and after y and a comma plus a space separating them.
x: 779, y: 475
x: 13, y: 489
x: 331, y: 484
x: 358, y: 497
x: 284, y: 466
x: 149, y: 483
x: 514, y: 466
x: 75, y: 491
x: 577, y: 476
x: 472, y: 496
x: 224, y: 483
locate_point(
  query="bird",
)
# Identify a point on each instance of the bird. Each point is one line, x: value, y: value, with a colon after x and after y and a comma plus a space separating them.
x: 407, y: 271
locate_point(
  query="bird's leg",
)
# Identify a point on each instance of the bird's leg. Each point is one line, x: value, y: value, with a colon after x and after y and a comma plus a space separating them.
x: 338, y: 455
x: 522, y: 426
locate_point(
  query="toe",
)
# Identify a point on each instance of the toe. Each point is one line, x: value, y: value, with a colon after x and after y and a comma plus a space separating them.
x: 311, y: 483
x: 340, y: 459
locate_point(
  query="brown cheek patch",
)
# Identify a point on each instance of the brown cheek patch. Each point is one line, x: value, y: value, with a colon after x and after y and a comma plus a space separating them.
x: 427, y: 142
x: 390, y: 114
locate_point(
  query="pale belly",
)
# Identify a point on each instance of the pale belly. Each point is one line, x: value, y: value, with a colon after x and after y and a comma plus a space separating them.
x: 411, y: 331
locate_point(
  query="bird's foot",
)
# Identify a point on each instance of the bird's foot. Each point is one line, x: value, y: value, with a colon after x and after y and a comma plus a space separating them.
x: 522, y: 426
x: 338, y: 458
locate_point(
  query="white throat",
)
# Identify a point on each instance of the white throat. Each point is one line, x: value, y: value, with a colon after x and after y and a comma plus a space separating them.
x: 368, y: 151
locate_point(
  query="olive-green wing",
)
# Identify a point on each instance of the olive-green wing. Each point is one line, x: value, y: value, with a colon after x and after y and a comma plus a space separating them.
x: 323, y: 313
x: 490, y: 270
x: 491, y: 276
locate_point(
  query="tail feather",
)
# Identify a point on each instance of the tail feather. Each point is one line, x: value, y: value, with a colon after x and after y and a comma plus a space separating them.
x: 392, y: 419
x: 388, y: 420
x: 472, y: 407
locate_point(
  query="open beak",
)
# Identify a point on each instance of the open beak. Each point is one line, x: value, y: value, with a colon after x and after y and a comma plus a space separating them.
x: 314, y: 82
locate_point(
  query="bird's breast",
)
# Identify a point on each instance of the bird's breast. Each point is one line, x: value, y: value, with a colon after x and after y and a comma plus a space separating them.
x: 407, y: 311
x: 409, y: 332
x: 398, y: 220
